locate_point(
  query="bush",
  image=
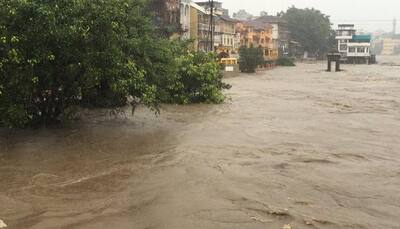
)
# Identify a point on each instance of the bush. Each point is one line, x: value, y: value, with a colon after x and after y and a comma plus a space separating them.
x: 250, y: 59
x: 198, y: 80
x: 285, y: 61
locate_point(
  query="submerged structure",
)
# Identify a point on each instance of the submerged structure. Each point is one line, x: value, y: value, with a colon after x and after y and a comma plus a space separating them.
x: 353, y: 48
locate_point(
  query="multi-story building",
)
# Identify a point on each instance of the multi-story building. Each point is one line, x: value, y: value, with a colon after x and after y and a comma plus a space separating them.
x: 200, y: 31
x: 352, y: 47
x: 258, y: 34
x: 219, y: 37
x: 280, y: 32
x: 344, y: 34
x: 225, y: 34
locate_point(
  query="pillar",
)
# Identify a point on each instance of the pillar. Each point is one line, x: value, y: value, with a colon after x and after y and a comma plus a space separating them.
x: 329, y: 65
x: 337, y: 66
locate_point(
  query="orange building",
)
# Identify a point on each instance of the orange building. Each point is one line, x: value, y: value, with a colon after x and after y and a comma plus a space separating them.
x: 257, y: 34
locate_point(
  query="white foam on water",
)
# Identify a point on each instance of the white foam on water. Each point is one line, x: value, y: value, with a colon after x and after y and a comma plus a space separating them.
x: 2, y: 224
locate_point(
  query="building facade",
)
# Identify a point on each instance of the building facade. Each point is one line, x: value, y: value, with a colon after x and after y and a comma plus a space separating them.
x: 257, y: 34
x: 185, y: 18
x: 352, y: 47
x: 344, y: 34
x: 390, y: 46
x: 225, y: 34
x: 200, y: 31
x: 280, y: 32
x: 220, y: 37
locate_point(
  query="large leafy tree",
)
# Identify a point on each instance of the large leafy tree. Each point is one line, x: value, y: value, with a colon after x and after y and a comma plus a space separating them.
x: 58, y: 54
x: 311, y: 28
x: 61, y: 54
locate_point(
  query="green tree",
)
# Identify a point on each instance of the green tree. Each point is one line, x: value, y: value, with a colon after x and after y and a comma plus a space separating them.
x: 58, y: 55
x: 311, y: 28
x: 250, y: 58
x: 199, y: 80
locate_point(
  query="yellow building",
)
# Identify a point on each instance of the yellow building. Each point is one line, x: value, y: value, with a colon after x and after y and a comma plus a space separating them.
x: 389, y: 46
x: 199, y: 27
x: 194, y: 25
x: 256, y: 34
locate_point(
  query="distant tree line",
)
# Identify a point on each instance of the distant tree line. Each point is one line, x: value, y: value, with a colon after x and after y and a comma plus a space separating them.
x: 57, y: 56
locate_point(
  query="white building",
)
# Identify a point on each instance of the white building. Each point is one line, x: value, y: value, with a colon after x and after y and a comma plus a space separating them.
x: 344, y: 34
x: 353, y: 48
x: 185, y: 18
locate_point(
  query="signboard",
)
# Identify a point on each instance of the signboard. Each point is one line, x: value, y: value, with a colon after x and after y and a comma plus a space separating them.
x: 229, y: 69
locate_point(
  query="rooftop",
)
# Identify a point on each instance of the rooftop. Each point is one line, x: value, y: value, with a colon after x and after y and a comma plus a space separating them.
x: 258, y: 25
x: 270, y: 19
x: 227, y: 18
x: 362, y: 38
x: 197, y: 7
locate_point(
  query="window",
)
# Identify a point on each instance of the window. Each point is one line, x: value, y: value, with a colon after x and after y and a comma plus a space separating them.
x: 343, y: 47
x: 352, y: 49
x: 186, y: 10
x: 361, y: 50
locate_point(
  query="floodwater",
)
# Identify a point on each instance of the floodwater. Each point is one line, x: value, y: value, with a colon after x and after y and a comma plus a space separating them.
x: 293, y: 148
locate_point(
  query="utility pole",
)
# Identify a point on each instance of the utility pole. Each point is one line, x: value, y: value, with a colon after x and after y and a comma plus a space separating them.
x: 210, y: 32
x: 212, y: 25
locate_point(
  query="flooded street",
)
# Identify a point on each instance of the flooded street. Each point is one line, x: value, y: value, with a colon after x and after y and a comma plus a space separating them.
x: 294, y: 146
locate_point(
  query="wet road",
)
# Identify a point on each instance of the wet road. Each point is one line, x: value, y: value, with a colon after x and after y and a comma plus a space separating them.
x: 294, y: 146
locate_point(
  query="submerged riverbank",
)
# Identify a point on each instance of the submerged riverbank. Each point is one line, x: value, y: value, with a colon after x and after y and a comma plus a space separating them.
x: 294, y: 146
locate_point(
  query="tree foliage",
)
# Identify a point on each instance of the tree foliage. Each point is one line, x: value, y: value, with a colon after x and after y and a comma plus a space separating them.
x: 199, y: 79
x: 250, y: 58
x: 58, y: 55
x: 311, y: 28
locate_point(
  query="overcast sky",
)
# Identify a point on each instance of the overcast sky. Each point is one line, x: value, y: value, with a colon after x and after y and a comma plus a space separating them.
x: 369, y: 15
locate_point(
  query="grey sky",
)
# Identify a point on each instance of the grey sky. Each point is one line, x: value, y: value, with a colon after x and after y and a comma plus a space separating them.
x: 370, y: 15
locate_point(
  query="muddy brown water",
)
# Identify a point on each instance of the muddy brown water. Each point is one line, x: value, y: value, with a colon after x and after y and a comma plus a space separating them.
x: 294, y: 146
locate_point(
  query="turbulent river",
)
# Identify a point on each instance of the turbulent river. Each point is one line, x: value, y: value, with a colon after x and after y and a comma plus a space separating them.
x: 292, y: 148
